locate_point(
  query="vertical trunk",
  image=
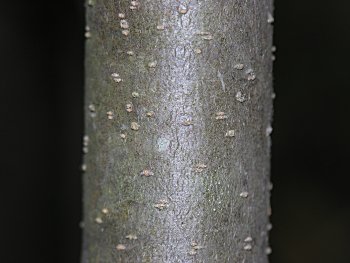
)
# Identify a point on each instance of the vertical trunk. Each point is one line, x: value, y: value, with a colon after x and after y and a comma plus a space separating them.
x: 178, y: 111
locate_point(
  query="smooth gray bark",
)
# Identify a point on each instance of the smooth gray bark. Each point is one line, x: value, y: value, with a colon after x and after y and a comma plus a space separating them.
x: 178, y: 111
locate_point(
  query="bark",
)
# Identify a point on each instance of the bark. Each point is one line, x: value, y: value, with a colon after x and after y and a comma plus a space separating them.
x: 178, y: 111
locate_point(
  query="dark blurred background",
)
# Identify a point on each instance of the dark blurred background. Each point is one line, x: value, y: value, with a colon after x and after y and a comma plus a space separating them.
x: 41, y: 126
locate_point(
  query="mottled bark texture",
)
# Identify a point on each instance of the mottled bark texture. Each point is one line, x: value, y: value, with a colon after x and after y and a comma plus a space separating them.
x: 178, y: 111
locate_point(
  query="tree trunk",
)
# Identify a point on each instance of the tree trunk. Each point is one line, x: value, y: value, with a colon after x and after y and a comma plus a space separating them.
x: 178, y: 111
